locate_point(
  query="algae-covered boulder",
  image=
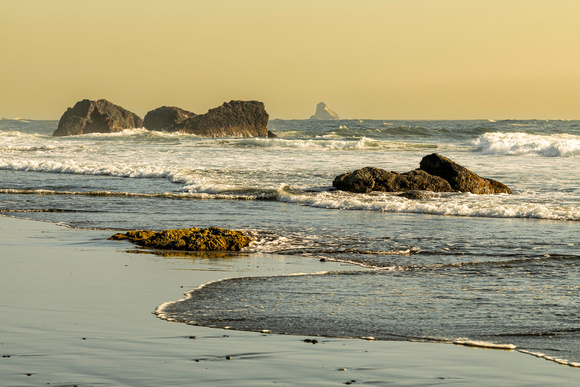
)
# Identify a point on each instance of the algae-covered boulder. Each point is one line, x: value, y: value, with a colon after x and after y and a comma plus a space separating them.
x: 189, y: 239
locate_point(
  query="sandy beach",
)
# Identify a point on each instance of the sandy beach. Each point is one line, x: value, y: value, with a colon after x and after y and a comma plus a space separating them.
x: 76, y: 309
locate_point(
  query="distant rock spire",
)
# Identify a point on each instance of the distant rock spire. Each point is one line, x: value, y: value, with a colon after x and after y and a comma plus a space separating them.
x: 324, y: 113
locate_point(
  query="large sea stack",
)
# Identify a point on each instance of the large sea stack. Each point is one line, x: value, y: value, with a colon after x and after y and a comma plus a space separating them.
x: 324, y: 113
x: 436, y: 174
x: 234, y: 118
x: 99, y: 116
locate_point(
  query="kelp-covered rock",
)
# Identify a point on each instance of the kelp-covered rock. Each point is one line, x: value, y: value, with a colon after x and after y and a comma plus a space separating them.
x: 189, y: 239
x: 459, y: 177
x: 375, y: 179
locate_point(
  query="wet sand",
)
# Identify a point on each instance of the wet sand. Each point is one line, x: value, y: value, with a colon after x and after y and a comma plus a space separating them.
x: 76, y: 309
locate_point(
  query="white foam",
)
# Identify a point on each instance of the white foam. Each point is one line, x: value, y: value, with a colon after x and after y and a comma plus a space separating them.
x: 484, y: 344
x: 554, y: 359
x: 489, y: 206
x: 555, y: 145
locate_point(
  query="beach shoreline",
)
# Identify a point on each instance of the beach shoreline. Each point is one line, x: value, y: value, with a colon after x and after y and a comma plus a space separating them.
x: 78, y: 310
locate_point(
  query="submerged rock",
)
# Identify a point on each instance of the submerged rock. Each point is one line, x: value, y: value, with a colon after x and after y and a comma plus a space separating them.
x: 189, y: 239
x: 418, y: 195
x: 437, y: 174
x: 234, y: 118
x: 166, y: 118
x: 461, y: 178
x: 375, y: 179
x: 100, y: 116
x: 324, y: 113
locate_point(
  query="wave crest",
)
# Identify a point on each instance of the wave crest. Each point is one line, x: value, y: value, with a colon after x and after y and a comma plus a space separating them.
x: 521, y: 144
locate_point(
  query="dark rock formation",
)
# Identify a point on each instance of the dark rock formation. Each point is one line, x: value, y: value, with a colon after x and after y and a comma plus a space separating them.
x: 234, y: 118
x: 437, y: 174
x: 189, y: 239
x: 324, y: 113
x: 99, y: 116
x: 374, y: 179
x: 272, y: 134
x: 166, y: 118
x: 460, y: 178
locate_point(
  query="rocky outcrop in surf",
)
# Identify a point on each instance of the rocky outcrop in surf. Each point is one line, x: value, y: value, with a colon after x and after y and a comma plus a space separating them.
x: 324, y: 113
x: 166, y: 118
x: 375, y: 179
x: 188, y: 239
x: 460, y: 178
x: 436, y: 174
x: 99, y: 116
x: 234, y: 118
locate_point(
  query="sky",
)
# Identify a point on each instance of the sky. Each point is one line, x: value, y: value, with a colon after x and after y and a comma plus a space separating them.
x: 376, y: 59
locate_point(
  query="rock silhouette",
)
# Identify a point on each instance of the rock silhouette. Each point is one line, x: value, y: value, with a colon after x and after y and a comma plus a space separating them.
x: 99, y: 116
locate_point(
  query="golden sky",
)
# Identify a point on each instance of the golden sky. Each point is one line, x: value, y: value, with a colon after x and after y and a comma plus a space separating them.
x: 383, y: 59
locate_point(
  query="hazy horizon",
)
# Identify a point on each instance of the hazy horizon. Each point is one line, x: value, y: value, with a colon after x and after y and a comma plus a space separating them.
x: 373, y: 59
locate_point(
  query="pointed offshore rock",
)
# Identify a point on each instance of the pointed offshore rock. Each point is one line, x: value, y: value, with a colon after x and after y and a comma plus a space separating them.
x: 460, y: 178
x: 99, y: 116
x: 324, y: 113
x: 188, y: 239
x: 166, y: 118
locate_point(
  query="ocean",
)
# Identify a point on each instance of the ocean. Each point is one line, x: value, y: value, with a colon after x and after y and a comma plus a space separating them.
x: 496, y: 271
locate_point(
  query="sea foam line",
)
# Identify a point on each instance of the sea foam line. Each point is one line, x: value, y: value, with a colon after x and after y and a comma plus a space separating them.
x: 166, y: 195
x: 484, y: 344
x: 160, y: 311
x: 551, y: 358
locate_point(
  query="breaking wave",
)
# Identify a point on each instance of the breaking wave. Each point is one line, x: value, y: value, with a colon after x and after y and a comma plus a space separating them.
x: 522, y: 144
x: 464, y: 205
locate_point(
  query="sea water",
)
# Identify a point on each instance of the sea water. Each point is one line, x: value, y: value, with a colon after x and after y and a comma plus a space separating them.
x: 487, y: 270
